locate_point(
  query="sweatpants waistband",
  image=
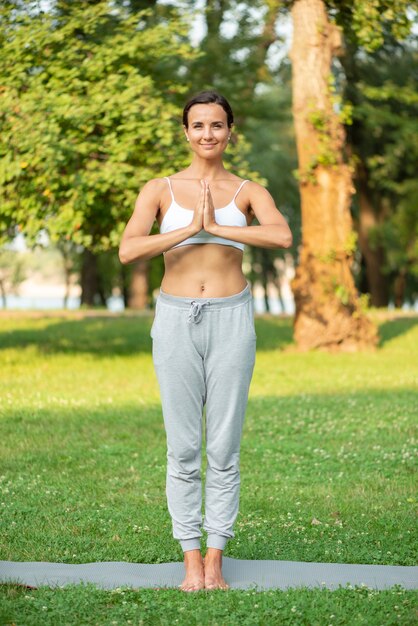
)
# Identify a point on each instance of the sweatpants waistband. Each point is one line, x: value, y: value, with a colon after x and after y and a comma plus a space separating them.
x: 214, y: 303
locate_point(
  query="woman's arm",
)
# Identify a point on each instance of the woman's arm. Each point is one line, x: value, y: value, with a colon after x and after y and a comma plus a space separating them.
x: 136, y: 242
x: 273, y: 231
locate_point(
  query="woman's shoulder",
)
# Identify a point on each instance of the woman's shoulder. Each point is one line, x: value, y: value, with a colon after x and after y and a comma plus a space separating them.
x: 153, y: 189
x: 155, y: 184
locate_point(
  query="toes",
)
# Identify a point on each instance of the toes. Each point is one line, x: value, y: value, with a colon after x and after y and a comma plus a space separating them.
x: 191, y: 587
x: 217, y: 586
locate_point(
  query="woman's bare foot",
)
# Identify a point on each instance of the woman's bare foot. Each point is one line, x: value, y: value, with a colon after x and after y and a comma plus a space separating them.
x: 195, y: 577
x: 213, y: 570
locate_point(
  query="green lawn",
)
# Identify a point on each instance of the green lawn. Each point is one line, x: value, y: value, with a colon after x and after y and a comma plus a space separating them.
x: 330, y: 437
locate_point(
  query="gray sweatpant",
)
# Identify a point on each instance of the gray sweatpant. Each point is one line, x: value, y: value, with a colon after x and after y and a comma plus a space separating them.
x: 204, y: 354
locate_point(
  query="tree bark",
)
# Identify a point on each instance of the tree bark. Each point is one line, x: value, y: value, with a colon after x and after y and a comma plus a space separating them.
x: 68, y: 267
x: 89, y: 279
x: 124, y: 281
x: 138, y: 290
x: 328, y: 314
x: 3, y: 294
x: 399, y: 288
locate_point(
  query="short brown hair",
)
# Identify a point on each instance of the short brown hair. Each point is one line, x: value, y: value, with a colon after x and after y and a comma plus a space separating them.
x: 208, y: 97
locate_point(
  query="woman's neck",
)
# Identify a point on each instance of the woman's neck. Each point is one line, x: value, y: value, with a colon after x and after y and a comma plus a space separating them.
x: 208, y: 170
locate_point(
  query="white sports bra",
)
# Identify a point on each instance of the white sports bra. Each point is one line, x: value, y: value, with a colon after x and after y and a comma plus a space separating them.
x: 178, y: 217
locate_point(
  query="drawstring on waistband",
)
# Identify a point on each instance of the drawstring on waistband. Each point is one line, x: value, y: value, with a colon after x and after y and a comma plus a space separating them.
x: 195, y: 312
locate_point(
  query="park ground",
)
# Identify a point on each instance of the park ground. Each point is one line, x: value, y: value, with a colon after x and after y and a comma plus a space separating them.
x: 328, y: 471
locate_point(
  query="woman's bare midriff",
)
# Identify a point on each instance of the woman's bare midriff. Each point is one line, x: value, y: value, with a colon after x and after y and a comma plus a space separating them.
x: 206, y: 270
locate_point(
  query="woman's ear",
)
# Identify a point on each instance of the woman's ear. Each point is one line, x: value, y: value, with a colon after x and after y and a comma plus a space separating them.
x: 185, y: 132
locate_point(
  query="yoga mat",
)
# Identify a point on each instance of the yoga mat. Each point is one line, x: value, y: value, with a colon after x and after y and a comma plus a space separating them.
x: 238, y: 573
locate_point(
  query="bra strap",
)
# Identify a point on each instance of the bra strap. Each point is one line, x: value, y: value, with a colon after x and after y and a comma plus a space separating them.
x: 171, y: 189
x: 239, y: 189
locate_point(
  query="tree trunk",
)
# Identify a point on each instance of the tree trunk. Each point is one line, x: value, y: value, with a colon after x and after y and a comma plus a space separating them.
x: 138, y: 292
x: 276, y: 282
x: 89, y: 279
x: 124, y: 282
x: 3, y: 294
x: 68, y: 267
x: 265, y: 276
x: 374, y: 257
x: 328, y: 314
x: 399, y: 288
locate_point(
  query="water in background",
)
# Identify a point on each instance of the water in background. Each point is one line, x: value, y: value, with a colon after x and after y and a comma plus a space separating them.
x: 115, y: 304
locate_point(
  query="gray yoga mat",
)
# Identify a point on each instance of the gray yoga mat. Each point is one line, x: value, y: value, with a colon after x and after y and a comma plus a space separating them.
x: 238, y: 573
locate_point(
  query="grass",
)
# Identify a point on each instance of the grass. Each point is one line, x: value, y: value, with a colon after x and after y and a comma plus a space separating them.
x: 328, y: 438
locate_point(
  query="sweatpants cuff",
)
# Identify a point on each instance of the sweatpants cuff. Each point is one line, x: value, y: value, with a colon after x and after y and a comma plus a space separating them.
x: 216, y: 541
x: 190, y: 544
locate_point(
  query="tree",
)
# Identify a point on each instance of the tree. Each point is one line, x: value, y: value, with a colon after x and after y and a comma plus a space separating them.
x: 328, y: 310
x: 12, y: 272
x: 83, y: 123
x: 383, y: 140
x: 234, y: 61
x: 89, y: 113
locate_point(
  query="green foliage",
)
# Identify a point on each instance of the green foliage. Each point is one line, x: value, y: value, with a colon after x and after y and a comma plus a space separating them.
x: 385, y: 138
x: 364, y: 302
x: 365, y: 22
x: 329, y: 257
x: 83, y: 122
x: 12, y: 272
x: 399, y: 234
x: 269, y: 128
x: 351, y: 243
x: 379, y: 110
x: 343, y: 109
x: 342, y: 293
x: 90, y: 112
x: 322, y: 122
x: 235, y: 63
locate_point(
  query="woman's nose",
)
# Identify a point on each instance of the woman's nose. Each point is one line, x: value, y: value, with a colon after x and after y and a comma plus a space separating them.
x: 207, y: 132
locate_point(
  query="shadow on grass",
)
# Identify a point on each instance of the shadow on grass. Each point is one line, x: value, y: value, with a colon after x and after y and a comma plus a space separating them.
x: 117, y: 335
x: 112, y: 336
x: 391, y: 329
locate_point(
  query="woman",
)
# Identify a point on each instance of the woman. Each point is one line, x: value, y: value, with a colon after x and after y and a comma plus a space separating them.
x: 203, y: 333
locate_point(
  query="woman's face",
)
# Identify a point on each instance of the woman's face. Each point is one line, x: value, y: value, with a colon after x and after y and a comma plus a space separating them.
x: 208, y: 130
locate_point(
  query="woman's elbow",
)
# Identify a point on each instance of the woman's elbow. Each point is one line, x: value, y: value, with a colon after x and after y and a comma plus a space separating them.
x: 129, y: 252
x: 123, y: 254
x: 286, y: 239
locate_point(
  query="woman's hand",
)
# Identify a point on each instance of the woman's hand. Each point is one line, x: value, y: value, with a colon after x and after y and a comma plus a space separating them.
x: 197, y: 221
x: 209, y: 221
